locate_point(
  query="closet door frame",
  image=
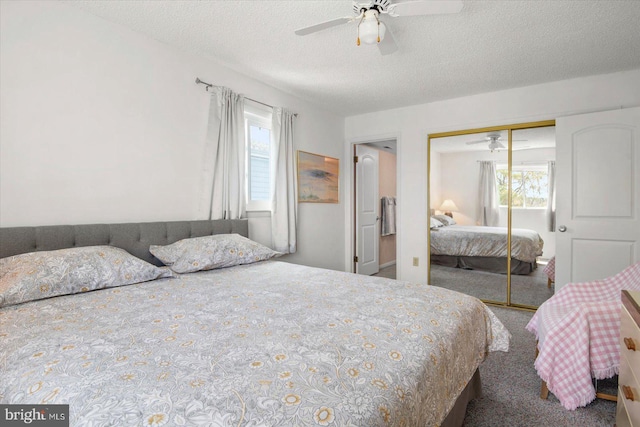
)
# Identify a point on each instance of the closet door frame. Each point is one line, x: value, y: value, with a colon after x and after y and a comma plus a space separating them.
x: 509, y: 128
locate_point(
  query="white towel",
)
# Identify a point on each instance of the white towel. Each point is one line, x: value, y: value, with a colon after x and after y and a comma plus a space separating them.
x: 388, y: 213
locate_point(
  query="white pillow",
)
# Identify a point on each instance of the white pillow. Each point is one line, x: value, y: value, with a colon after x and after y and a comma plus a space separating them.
x: 435, y: 223
x: 445, y: 219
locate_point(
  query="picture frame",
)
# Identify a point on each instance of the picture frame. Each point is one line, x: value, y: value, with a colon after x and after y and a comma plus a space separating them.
x: 318, y: 178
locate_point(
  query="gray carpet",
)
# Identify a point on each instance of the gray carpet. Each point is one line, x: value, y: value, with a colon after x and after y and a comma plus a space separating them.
x: 511, y: 387
x: 529, y: 290
x: 388, y: 272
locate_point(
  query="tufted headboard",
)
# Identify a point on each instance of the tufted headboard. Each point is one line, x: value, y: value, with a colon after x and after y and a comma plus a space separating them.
x: 135, y: 238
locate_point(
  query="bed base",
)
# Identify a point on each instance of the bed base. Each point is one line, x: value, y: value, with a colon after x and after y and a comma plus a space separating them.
x: 456, y: 415
x: 489, y: 264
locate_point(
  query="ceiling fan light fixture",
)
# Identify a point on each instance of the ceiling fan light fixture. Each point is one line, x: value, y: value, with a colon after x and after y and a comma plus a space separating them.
x: 370, y: 29
x: 495, y: 145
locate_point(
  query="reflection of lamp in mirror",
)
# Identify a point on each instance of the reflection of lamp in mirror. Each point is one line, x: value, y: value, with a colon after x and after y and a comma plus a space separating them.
x: 448, y: 207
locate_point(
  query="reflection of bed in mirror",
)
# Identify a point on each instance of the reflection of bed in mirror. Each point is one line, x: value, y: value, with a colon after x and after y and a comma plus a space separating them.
x: 485, y: 248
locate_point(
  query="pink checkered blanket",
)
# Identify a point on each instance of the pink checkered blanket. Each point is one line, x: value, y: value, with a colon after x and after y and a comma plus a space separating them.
x: 550, y: 269
x: 578, y: 332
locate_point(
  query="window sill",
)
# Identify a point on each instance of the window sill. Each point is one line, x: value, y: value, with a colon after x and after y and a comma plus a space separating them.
x: 522, y: 209
x: 257, y: 213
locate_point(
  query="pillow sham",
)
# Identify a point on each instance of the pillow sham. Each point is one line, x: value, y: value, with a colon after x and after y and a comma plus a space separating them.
x: 39, y: 275
x: 211, y: 252
x: 435, y: 223
x: 445, y: 219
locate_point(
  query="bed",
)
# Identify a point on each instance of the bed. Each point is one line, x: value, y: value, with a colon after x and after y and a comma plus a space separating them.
x: 484, y: 248
x: 259, y: 343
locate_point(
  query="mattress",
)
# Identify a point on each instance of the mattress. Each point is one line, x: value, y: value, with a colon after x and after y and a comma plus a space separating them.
x: 264, y: 344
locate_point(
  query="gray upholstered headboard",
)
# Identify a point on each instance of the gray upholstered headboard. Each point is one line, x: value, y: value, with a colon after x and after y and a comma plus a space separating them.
x: 135, y: 238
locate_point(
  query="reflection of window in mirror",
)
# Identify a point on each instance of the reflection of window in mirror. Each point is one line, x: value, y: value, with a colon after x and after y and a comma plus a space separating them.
x: 529, y: 183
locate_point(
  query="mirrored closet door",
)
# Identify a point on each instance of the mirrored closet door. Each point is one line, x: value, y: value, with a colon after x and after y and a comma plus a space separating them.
x: 491, y: 197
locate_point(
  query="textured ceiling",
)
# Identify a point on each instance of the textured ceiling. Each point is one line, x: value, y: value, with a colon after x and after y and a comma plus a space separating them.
x: 490, y: 45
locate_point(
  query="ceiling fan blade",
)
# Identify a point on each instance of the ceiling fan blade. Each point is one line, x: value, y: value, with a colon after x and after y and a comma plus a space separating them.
x: 476, y: 142
x: 388, y: 44
x: 425, y: 7
x: 324, y: 25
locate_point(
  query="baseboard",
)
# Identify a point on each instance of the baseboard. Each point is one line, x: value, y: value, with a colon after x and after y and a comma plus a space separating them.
x: 388, y: 264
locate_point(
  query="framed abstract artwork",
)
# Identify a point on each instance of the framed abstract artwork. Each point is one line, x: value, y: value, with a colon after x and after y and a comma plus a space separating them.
x: 318, y: 178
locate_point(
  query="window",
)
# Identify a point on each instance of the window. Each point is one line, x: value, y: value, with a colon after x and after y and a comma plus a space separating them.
x: 259, y: 154
x: 529, y: 184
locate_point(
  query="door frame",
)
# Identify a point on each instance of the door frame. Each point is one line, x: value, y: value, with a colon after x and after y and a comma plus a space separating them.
x: 509, y: 128
x: 352, y: 241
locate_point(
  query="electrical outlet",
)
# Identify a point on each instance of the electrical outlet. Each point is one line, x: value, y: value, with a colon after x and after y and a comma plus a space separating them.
x: 416, y: 261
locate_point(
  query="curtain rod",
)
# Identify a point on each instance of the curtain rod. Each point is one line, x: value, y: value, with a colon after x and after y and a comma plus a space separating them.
x: 208, y: 85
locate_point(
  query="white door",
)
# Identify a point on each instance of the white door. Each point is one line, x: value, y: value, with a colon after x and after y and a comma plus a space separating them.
x: 367, y: 210
x: 598, y: 194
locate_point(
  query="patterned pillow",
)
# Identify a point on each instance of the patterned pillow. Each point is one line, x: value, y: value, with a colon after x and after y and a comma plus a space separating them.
x: 445, y: 219
x: 45, y: 274
x: 210, y: 252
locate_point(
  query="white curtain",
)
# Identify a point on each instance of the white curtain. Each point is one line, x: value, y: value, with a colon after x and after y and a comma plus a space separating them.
x: 489, y: 201
x: 551, y: 200
x: 284, y: 202
x: 225, y: 156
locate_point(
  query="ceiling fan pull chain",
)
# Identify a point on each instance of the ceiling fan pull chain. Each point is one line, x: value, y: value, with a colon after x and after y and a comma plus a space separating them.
x: 361, y: 19
x: 378, y: 28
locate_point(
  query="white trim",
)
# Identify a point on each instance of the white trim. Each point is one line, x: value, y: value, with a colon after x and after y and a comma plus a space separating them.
x: 259, y: 214
x: 348, y: 194
x: 387, y: 264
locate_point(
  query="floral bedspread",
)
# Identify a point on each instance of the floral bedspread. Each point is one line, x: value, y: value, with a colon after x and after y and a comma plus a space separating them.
x: 266, y: 344
x: 463, y: 240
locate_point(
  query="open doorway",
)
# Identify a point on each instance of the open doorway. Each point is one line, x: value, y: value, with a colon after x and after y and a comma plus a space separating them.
x: 375, y: 204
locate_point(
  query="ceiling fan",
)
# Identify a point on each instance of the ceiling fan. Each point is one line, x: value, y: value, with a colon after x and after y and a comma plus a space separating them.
x: 371, y: 29
x: 494, y: 141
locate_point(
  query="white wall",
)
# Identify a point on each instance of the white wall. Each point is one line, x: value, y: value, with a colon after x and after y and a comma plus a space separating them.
x: 459, y: 181
x: 102, y: 124
x: 435, y: 178
x: 412, y: 125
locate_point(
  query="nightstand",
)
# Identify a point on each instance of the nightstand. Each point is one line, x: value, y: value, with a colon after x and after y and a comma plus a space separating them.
x: 628, y: 411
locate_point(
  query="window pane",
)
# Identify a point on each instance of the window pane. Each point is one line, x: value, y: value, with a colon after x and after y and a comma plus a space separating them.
x: 502, y: 177
x: 260, y: 140
x: 259, y: 186
x: 530, y: 188
x: 259, y: 163
x: 517, y: 190
x: 536, y: 188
